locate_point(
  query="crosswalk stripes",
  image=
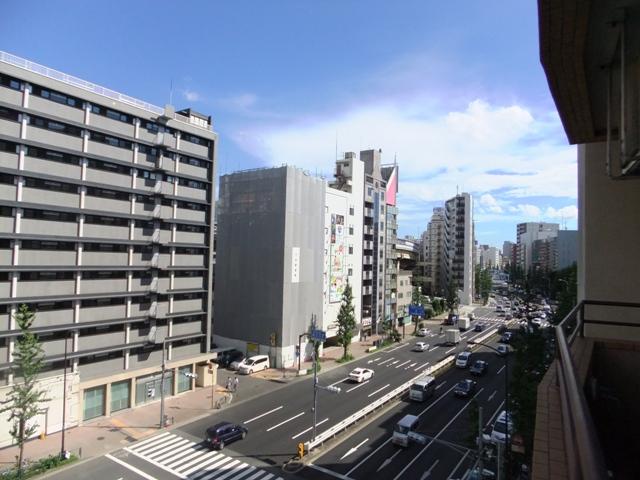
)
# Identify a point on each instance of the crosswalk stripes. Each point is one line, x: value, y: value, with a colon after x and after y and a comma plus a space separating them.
x: 189, y: 460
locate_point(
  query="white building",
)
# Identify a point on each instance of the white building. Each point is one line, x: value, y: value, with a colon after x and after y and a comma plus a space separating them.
x: 458, y: 251
x: 527, y: 233
x: 343, y: 234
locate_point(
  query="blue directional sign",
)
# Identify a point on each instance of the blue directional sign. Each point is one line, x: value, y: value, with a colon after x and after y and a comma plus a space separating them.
x: 318, y: 335
x: 416, y: 310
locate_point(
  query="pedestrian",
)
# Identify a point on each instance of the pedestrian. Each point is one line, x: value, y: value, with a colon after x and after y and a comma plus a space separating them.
x: 441, y: 330
x: 229, y: 381
x: 235, y: 383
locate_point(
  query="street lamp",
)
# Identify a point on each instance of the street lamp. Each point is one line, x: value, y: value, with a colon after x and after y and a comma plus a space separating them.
x: 317, y: 387
x: 63, y: 453
x: 506, y: 396
x: 164, y: 367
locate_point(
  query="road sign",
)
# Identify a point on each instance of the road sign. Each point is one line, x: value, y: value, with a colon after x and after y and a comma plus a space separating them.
x: 318, y: 335
x: 416, y: 310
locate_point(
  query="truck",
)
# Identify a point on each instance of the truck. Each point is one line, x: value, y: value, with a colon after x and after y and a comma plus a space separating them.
x: 464, y: 324
x: 452, y: 336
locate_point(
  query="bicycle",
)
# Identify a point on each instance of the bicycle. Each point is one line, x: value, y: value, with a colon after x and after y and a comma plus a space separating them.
x: 224, y: 400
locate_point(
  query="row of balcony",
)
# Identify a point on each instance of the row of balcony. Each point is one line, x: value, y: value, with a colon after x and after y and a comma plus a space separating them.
x: 116, y: 259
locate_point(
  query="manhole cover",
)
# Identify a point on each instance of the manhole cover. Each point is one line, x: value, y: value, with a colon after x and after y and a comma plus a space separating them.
x: 100, y: 438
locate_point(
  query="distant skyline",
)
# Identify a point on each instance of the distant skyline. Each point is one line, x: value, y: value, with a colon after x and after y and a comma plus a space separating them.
x: 453, y: 90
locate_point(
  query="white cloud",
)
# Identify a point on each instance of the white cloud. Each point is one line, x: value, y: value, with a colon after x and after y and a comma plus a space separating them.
x: 490, y: 204
x: 565, y: 213
x: 527, y: 211
x: 191, y: 95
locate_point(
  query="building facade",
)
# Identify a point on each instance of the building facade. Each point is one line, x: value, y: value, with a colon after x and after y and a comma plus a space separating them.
x: 458, y: 246
x: 107, y: 203
x: 270, y: 261
x: 527, y: 233
x: 343, y: 241
x: 433, y: 247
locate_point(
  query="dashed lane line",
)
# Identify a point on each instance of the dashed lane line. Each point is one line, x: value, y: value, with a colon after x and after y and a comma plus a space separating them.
x: 286, y: 421
x: 309, y: 429
x: 357, y: 386
x: 264, y: 414
x: 377, y: 391
x: 135, y: 470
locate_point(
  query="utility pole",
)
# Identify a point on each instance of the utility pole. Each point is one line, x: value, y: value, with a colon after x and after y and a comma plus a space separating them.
x: 164, y: 365
x: 480, y: 441
x: 315, y: 392
x: 64, y: 399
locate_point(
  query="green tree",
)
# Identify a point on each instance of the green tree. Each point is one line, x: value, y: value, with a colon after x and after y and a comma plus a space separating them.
x: 416, y: 299
x: 24, y: 399
x: 452, y: 296
x: 346, y: 321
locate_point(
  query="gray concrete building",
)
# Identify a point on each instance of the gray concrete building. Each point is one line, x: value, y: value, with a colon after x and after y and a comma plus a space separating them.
x: 106, y: 203
x: 270, y: 260
x: 458, y: 246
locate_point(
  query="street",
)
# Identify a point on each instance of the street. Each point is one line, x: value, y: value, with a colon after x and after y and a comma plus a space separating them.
x: 279, y: 420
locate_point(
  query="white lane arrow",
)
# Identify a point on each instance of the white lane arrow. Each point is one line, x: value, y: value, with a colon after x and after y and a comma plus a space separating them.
x: 427, y: 473
x: 354, y: 449
x: 388, y: 461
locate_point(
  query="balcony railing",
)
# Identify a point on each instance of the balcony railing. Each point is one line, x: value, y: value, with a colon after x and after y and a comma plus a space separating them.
x: 584, y: 452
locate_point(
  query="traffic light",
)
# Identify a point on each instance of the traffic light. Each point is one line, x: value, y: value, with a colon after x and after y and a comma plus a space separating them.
x: 300, y: 450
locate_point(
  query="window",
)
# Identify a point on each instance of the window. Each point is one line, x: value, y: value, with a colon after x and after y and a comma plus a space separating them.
x: 46, y: 276
x: 93, y: 404
x: 104, y: 247
x: 9, y: 114
x: 184, y: 381
x: 104, y: 193
x: 194, y: 139
x: 101, y: 302
x: 150, y: 126
x: 50, y: 185
x: 101, y: 220
x: 49, y: 306
x: 350, y: 272
x: 192, y: 206
x: 57, y: 97
x: 147, y: 150
x: 190, y: 228
x: 120, y: 395
x: 110, y: 140
x: 112, y: 114
x: 46, y: 245
x: 351, y: 211
x: 8, y: 146
x: 109, y: 167
x: 53, y: 156
x: 10, y: 82
x: 193, y: 161
x: 102, y: 275
x: 350, y: 250
x: 350, y: 230
x: 6, y: 179
x: 49, y: 215
x: 55, y: 126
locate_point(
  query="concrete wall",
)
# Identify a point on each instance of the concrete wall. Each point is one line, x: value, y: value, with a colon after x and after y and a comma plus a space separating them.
x: 609, y: 229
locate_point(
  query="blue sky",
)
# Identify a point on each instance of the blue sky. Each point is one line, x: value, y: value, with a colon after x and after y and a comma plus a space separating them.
x: 453, y: 90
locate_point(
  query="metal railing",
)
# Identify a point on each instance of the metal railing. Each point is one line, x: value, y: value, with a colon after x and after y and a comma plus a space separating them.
x: 584, y: 452
x: 90, y: 87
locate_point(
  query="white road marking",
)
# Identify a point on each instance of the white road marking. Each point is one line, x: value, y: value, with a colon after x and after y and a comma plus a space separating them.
x: 130, y: 467
x: 351, y: 450
x: 492, y: 395
x: 450, y: 350
x: 149, y: 440
x: 357, y: 386
x: 163, y: 451
x: 308, y: 429
x: 374, y: 360
x: 433, y: 348
x: 328, y: 472
x: 437, y: 435
x: 286, y: 421
x: 388, y: 460
x: 412, y: 365
x: 235, y: 469
x: 155, y: 443
x: 147, y: 451
x: 498, y: 372
x: 420, y: 367
x: 403, y: 363
x: 159, y: 465
x: 387, y: 360
x: 379, y: 390
x: 339, y: 381
x: 427, y: 473
x: 249, y: 469
x: 216, y: 471
x: 178, y: 453
x: 264, y: 414
x: 450, y: 476
x: 435, y: 402
x: 437, y: 387
x: 198, y: 452
x: 494, y: 414
x: 215, y: 461
x: 393, y: 363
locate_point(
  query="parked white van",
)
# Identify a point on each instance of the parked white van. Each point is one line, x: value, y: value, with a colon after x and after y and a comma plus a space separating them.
x: 408, y: 423
x: 463, y: 360
x: 253, y: 364
x: 500, y: 427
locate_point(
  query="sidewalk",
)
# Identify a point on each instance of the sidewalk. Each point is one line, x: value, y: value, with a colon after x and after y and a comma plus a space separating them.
x: 96, y: 438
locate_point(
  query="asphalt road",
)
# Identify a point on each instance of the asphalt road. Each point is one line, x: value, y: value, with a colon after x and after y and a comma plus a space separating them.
x: 279, y: 420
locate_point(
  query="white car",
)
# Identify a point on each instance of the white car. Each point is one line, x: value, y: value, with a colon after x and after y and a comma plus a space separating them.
x: 423, y: 332
x: 463, y: 359
x: 359, y: 375
x: 420, y: 347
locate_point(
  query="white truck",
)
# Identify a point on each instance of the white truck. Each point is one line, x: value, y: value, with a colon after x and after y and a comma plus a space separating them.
x: 452, y: 336
x: 464, y: 324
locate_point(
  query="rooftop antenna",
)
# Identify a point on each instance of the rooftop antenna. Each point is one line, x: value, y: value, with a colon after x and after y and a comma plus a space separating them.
x: 336, y: 144
x: 457, y: 191
x: 171, y: 92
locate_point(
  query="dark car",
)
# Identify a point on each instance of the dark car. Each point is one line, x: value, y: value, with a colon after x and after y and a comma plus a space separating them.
x: 478, y: 327
x: 479, y: 368
x: 465, y: 388
x: 506, y: 337
x: 229, y: 356
x: 224, y: 433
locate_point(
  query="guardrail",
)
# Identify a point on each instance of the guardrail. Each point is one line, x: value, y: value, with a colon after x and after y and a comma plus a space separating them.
x: 584, y: 453
x: 356, y: 417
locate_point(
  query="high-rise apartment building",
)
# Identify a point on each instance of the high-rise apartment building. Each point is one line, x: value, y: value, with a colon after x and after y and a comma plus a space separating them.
x: 390, y: 174
x: 508, y: 253
x: 527, y: 233
x: 106, y: 210
x: 270, y: 260
x: 433, y: 247
x: 458, y: 246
